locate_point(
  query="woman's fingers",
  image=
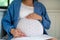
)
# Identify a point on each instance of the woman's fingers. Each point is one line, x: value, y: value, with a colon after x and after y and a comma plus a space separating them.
x: 21, y: 33
x: 18, y: 33
x: 34, y: 16
x: 30, y: 16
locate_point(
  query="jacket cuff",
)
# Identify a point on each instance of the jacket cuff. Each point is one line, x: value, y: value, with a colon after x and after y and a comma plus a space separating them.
x: 9, y: 32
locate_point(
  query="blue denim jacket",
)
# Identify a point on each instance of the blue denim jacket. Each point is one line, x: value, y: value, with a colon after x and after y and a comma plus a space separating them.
x: 11, y: 18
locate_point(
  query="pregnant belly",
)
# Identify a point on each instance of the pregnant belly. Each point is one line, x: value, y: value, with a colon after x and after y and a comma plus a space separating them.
x: 30, y: 27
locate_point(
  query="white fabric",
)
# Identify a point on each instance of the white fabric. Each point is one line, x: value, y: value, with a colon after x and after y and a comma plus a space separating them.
x: 42, y: 37
x: 30, y: 27
x: 25, y: 10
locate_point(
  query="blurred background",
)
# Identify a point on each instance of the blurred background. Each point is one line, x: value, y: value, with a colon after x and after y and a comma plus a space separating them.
x: 53, y: 9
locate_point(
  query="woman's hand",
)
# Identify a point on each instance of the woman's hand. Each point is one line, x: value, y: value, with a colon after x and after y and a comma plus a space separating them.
x: 17, y: 33
x: 34, y: 16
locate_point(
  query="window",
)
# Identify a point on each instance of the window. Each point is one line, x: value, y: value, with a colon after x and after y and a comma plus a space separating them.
x: 5, y: 3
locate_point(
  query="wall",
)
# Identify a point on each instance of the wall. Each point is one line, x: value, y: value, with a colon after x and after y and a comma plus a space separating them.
x: 1, y: 14
x: 53, y: 9
x: 51, y: 4
x: 55, y: 23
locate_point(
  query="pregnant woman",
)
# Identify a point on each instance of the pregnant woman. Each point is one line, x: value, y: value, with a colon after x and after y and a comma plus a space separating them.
x: 19, y: 13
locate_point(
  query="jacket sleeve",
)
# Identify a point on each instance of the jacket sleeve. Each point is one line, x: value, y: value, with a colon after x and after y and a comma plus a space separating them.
x: 7, y: 19
x: 45, y: 18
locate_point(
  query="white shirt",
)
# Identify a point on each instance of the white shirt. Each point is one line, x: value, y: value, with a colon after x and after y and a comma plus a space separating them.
x: 25, y: 10
x: 29, y: 26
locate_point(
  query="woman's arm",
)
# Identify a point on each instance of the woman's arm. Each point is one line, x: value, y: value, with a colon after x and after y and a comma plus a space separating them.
x: 8, y: 25
x: 45, y: 18
x: 7, y: 19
